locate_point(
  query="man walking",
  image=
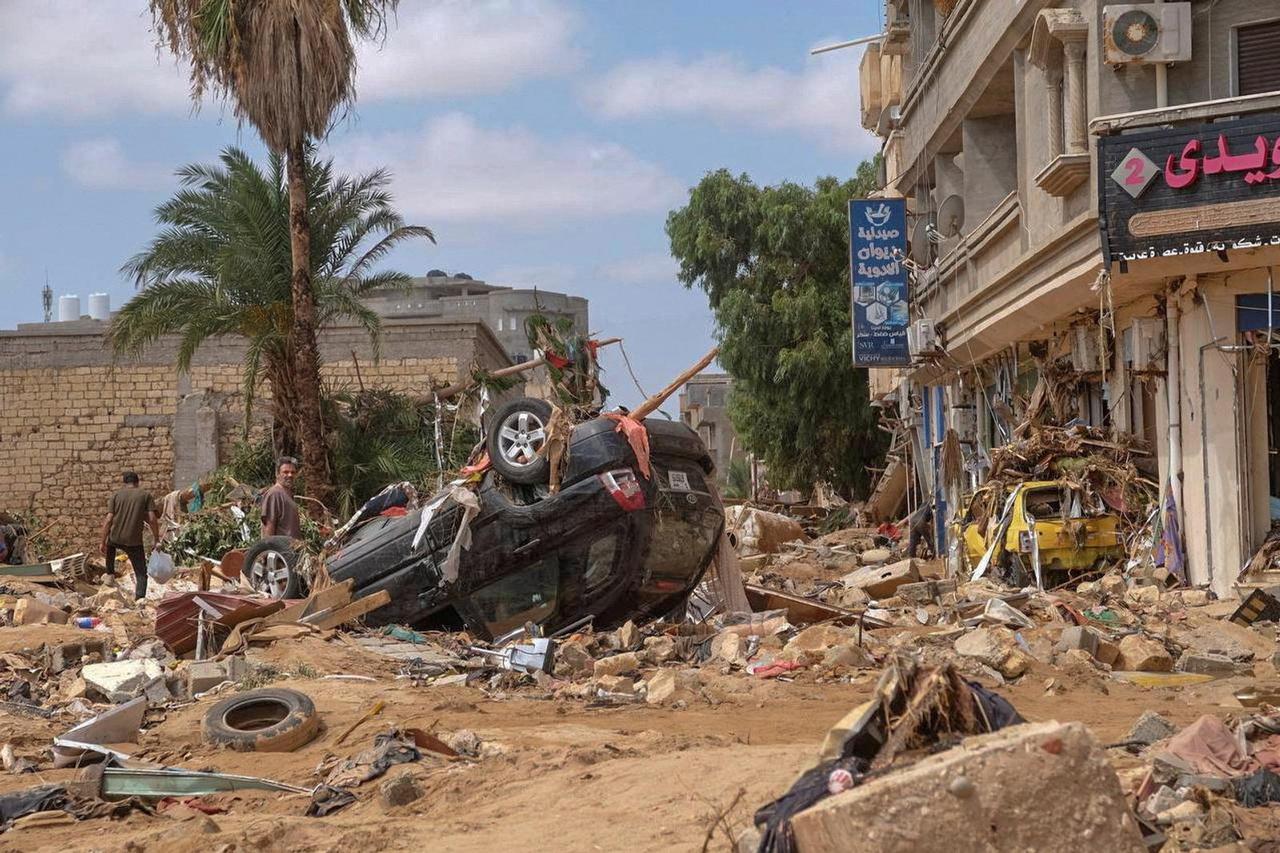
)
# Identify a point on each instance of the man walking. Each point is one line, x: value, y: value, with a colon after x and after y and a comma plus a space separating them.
x: 279, y: 510
x: 129, y: 509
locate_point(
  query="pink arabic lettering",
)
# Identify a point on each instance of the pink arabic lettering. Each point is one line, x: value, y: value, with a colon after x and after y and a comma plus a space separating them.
x: 1190, y: 165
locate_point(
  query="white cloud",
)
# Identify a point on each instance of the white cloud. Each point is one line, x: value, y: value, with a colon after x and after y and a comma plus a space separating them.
x: 458, y: 47
x: 454, y: 170
x: 101, y: 164
x: 820, y: 101
x: 84, y: 58
x: 79, y: 59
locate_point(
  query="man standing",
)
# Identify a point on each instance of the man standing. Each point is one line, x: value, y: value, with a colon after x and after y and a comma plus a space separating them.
x: 279, y: 510
x: 129, y: 509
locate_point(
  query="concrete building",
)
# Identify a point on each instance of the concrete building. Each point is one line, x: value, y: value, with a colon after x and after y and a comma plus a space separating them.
x: 704, y: 407
x: 71, y: 421
x: 1114, y: 184
x: 503, y: 309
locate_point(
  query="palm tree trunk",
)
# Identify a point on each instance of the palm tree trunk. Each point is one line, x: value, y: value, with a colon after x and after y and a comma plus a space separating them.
x: 284, y: 404
x: 315, y: 456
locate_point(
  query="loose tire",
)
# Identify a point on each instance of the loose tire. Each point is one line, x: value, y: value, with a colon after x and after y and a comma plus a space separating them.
x: 517, y: 431
x: 268, y: 720
x: 270, y: 567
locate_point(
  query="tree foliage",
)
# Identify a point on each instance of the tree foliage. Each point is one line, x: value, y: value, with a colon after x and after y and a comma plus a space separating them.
x: 774, y: 263
x: 221, y: 265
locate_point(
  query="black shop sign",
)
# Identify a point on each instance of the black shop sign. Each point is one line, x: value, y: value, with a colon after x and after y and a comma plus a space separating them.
x: 1181, y: 190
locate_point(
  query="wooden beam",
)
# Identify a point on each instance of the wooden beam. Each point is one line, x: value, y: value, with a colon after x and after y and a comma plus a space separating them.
x: 651, y: 405
x: 354, y: 610
x: 336, y: 595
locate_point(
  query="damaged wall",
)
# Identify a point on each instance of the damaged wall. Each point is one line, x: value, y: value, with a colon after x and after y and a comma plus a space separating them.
x: 70, y: 422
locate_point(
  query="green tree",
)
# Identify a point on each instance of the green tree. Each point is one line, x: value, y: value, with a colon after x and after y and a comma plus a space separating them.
x: 221, y: 265
x: 286, y: 67
x: 774, y: 263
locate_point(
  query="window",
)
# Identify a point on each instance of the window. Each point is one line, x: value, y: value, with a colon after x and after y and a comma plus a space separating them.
x: 1257, y: 70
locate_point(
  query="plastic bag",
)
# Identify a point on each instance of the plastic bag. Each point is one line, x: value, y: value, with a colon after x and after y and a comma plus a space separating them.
x: 160, y: 567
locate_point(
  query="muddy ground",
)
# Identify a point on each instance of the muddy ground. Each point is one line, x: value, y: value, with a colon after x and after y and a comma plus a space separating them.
x: 553, y: 773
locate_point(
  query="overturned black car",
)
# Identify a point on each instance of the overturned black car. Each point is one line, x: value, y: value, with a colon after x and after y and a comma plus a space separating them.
x: 612, y: 544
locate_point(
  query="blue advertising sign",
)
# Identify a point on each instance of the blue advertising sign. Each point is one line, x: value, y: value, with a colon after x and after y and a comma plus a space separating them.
x: 877, y: 248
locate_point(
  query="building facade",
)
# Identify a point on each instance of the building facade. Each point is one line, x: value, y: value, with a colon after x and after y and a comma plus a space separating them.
x: 1093, y: 191
x: 704, y: 406
x: 503, y: 309
x: 71, y: 420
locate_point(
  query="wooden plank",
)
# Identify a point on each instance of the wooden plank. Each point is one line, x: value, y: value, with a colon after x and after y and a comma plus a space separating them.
x: 336, y: 595
x: 354, y: 610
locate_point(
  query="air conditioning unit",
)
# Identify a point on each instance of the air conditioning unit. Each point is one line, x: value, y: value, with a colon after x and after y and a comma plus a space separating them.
x: 1086, y: 350
x: 922, y: 339
x: 1146, y: 344
x: 1146, y: 33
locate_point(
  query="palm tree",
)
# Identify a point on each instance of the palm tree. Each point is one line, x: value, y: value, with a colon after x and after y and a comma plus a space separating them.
x: 222, y: 265
x: 286, y: 66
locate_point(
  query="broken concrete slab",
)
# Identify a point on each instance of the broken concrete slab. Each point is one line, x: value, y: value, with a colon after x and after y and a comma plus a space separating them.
x: 203, y: 675
x: 122, y: 680
x: 1078, y: 637
x: 883, y: 581
x: 875, y: 556
x: 996, y: 648
x: 1022, y: 786
x: 1151, y: 727
x: 728, y: 647
x: 624, y: 684
x: 659, y: 649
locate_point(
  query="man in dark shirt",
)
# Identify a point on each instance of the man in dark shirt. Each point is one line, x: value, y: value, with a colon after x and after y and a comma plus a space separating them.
x: 129, y: 509
x: 279, y: 510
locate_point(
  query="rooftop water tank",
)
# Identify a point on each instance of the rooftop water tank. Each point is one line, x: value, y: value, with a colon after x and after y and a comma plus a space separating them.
x: 68, y: 308
x: 99, y: 306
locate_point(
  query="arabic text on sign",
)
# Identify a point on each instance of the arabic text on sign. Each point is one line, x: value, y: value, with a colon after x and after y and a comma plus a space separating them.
x: 1190, y: 164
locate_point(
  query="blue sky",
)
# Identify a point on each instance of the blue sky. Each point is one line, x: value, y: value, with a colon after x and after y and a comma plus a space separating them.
x: 544, y: 141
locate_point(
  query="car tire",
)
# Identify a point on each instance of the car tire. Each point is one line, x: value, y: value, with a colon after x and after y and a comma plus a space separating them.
x: 268, y: 720
x: 263, y: 563
x: 517, y: 431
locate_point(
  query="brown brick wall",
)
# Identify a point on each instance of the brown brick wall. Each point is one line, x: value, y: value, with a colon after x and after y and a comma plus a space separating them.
x: 71, y: 421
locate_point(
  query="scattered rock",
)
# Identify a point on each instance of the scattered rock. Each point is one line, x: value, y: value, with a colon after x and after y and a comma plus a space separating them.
x: 730, y: 648
x: 814, y: 641
x: 629, y: 636
x: 659, y: 649
x: 879, y: 581
x: 875, y: 556
x: 996, y: 648
x: 574, y: 661
x: 1078, y: 637
x: 399, y: 790
x: 1184, y: 811
x: 1195, y: 597
x: 616, y: 684
x: 848, y: 655
x: 622, y: 664
x: 1143, y: 654
x: 1112, y: 585
x: 1143, y: 596
x: 463, y: 742
x: 670, y: 685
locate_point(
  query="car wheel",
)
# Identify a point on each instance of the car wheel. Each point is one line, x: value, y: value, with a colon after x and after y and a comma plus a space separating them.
x: 270, y: 567
x: 269, y: 720
x: 517, y: 432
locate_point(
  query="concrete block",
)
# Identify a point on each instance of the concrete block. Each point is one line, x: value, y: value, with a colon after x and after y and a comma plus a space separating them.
x: 1078, y: 637
x: 670, y: 685
x: 616, y: 684
x: 28, y: 611
x: 1205, y: 664
x: 205, y: 675
x: 1042, y: 786
x: 883, y: 581
x: 1108, y: 652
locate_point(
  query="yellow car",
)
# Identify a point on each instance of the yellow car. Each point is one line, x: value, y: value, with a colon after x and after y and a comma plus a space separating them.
x: 1038, y: 527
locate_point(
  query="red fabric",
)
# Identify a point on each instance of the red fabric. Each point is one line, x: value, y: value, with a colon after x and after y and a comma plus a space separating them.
x: 394, y: 512
x: 637, y: 437
x: 781, y: 667
x: 593, y: 347
x: 1210, y: 747
x: 559, y: 362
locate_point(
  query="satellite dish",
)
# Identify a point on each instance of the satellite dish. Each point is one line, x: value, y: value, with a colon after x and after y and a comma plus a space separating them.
x: 921, y: 248
x: 951, y: 216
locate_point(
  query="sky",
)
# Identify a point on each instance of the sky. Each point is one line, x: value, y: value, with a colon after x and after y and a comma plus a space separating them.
x: 543, y: 141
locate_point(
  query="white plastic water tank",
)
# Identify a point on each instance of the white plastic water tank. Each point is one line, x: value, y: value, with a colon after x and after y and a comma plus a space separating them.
x: 99, y: 306
x: 68, y: 308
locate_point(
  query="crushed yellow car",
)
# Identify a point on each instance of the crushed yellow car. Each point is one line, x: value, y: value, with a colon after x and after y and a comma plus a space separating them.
x: 1038, y: 527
